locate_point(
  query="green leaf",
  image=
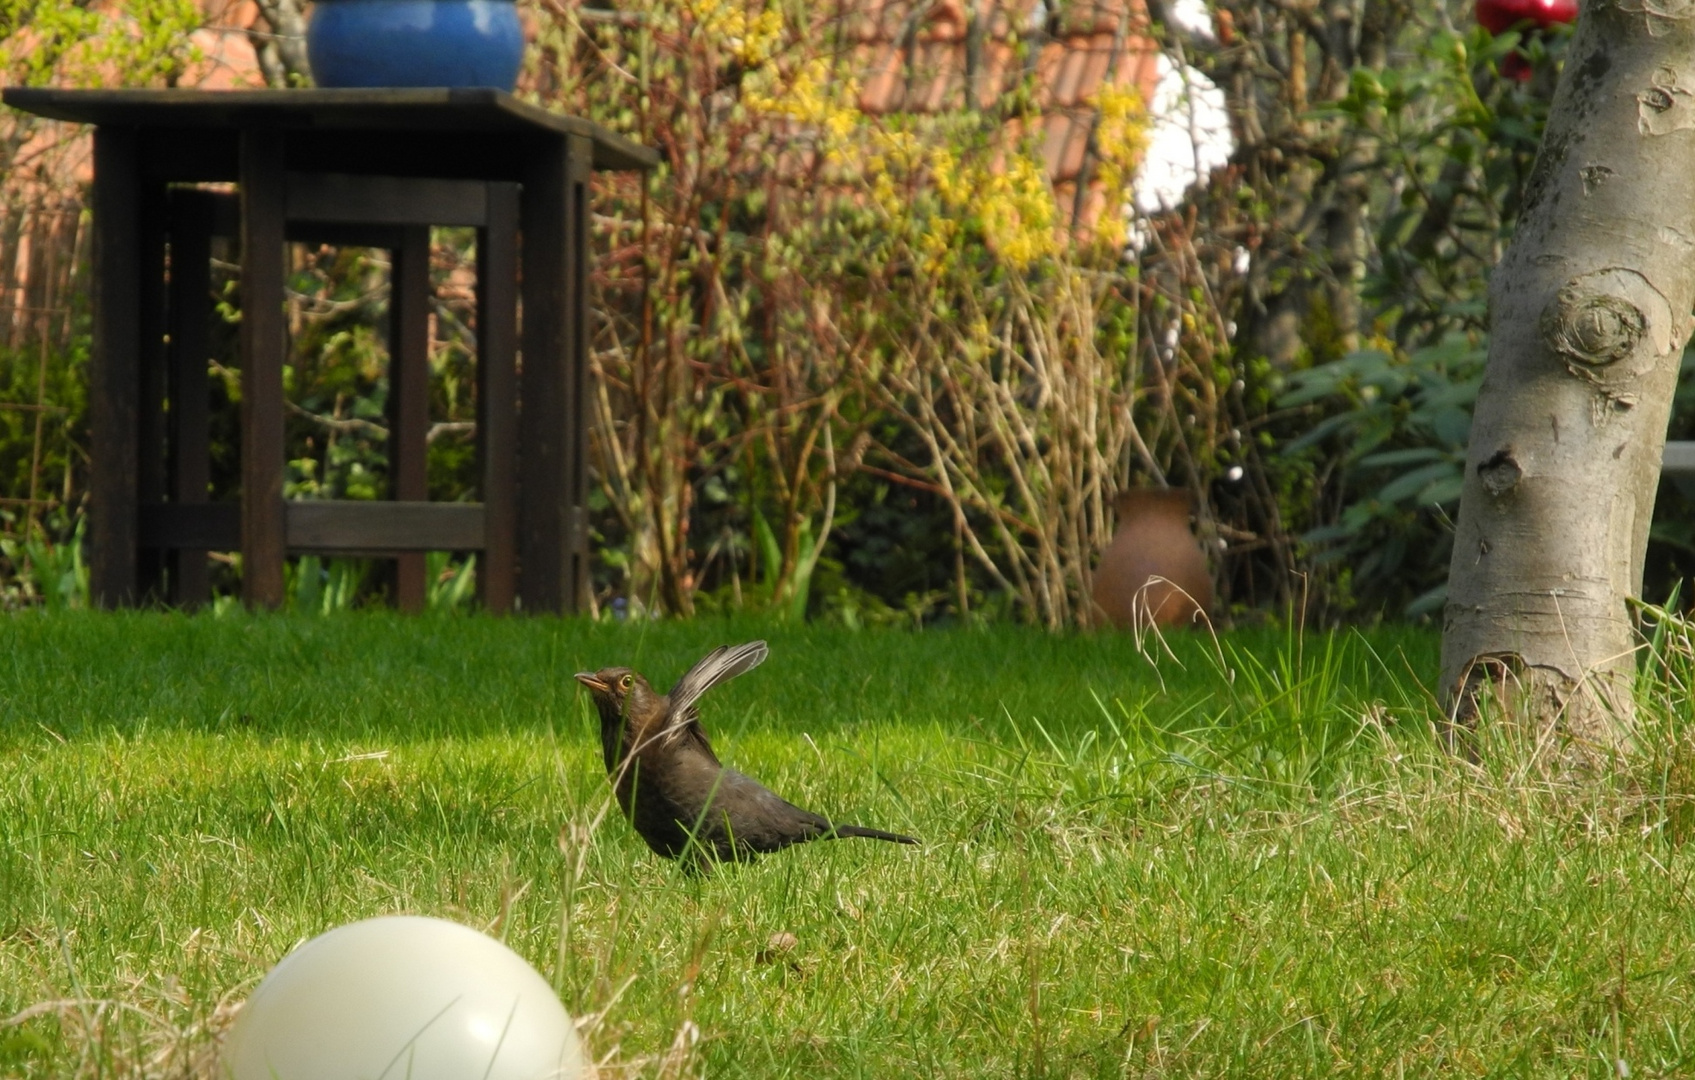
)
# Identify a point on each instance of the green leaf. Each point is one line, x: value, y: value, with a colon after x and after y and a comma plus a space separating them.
x: 1408, y: 484
x: 1413, y: 456
x: 1445, y: 490
x: 770, y: 554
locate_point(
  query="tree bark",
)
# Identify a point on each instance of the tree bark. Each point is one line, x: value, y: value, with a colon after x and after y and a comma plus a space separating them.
x: 282, y: 51
x: 1590, y: 310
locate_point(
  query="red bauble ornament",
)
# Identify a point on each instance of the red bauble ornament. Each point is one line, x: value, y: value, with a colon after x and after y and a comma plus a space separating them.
x: 1515, y: 65
x: 1499, y: 16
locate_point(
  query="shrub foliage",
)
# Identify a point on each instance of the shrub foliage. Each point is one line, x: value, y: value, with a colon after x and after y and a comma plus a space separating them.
x: 857, y: 366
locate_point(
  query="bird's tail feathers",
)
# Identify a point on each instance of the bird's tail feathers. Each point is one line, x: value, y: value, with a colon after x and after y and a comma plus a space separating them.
x: 723, y: 663
x: 872, y: 834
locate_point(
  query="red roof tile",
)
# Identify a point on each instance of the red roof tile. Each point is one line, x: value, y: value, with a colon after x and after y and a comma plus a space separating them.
x: 938, y: 78
x: 1096, y: 60
x: 1056, y: 138
x: 1098, y: 16
x: 884, y: 81
x: 1049, y: 59
x: 945, y: 21
x: 1139, y: 66
x: 1068, y: 86
x: 1003, y: 19
x: 999, y: 73
x: 891, y: 20
x: 861, y: 24
x: 1074, y: 128
x: 1098, y: 198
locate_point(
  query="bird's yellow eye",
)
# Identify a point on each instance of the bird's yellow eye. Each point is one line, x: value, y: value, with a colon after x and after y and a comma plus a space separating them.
x: 626, y: 682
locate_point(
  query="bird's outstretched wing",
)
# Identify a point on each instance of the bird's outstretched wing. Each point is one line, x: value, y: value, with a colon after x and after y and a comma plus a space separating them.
x: 724, y: 662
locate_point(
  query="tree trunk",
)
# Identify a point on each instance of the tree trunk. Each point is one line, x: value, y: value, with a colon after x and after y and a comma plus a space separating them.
x: 1590, y: 312
x: 282, y: 51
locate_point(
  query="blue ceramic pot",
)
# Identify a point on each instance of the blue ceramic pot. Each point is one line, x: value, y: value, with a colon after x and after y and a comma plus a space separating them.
x: 367, y: 43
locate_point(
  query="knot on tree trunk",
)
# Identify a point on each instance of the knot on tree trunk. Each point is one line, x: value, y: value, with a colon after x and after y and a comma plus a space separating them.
x: 1486, y: 678
x: 1569, y: 724
x: 1664, y: 107
x: 1600, y: 318
x: 1591, y: 328
x: 1501, y: 473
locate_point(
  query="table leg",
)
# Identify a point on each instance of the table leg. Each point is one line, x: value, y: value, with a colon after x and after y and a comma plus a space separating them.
x: 151, y: 418
x: 409, y: 396
x: 190, y: 389
x: 497, y: 395
x: 263, y: 206
x: 581, y: 153
x: 553, y: 210
x: 115, y: 369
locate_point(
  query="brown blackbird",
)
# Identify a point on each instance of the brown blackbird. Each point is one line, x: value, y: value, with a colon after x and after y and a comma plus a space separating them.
x: 670, y: 783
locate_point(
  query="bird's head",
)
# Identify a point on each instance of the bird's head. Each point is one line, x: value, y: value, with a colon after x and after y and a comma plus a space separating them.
x: 624, y: 701
x: 616, y: 689
x: 609, y: 686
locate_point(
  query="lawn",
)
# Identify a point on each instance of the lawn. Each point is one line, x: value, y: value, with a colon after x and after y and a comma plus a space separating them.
x: 1252, y: 860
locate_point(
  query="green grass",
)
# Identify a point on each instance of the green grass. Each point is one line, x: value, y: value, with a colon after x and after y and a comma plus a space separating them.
x: 1261, y: 865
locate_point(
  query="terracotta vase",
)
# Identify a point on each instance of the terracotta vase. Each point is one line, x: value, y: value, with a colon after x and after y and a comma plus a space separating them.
x: 1154, y: 571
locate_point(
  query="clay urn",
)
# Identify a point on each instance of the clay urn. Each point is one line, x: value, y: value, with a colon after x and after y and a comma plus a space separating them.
x: 1154, y: 571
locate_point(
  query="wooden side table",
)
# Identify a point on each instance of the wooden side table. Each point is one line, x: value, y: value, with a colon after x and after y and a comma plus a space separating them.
x: 372, y: 167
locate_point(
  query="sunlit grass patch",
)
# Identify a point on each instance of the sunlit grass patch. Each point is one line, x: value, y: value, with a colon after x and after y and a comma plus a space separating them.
x: 1251, y: 858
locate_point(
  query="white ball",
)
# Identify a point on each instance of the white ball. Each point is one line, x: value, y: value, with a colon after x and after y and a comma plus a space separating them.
x: 403, y: 997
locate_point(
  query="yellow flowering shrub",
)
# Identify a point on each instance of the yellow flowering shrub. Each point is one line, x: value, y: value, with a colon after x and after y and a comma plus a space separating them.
x: 1121, y: 136
x: 806, y: 289
x: 933, y: 176
x: 1014, y: 203
x: 813, y: 94
x: 77, y: 43
x: 751, y: 36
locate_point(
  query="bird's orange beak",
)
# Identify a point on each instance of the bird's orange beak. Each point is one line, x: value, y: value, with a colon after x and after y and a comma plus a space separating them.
x: 590, y: 680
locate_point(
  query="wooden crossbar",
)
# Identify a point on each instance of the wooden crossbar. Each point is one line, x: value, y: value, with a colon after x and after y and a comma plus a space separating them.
x: 350, y: 528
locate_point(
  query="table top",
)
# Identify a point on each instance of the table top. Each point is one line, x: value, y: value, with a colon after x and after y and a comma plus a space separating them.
x: 480, y: 111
